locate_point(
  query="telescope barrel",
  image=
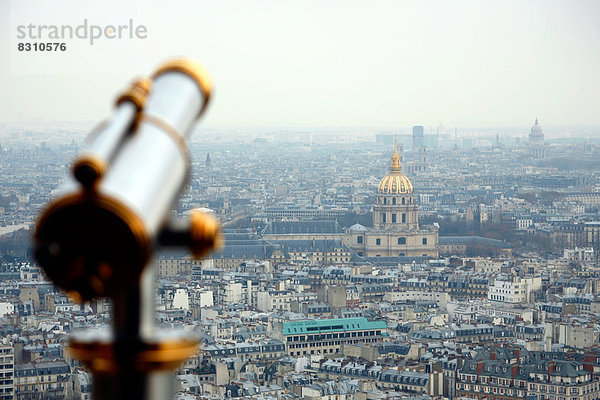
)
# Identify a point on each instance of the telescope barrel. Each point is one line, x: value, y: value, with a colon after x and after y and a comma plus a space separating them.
x: 94, y: 241
x: 153, y: 164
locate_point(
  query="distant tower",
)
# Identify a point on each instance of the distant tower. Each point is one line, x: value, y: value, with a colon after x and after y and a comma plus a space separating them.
x: 455, y: 137
x: 418, y: 139
x: 536, y: 136
x: 423, y: 159
x: 207, y: 163
x: 497, y: 145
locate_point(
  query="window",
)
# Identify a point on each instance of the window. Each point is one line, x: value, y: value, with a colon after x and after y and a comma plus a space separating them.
x: 394, y: 218
x: 377, y: 241
x: 360, y: 253
x: 359, y: 239
x: 383, y: 218
x: 424, y: 240
x: 401, y: 240
x: 403, y: 217
x: 403, y: 200
x: 384, y: 200
x: 394, y: 200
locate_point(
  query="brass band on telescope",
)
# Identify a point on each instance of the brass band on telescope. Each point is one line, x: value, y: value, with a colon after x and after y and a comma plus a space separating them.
x: 194, y: 71
x: 96, y: 164
x: 205, y: 232
x: 169, y: 130
x: 107, y: 357
x: 137, y: 93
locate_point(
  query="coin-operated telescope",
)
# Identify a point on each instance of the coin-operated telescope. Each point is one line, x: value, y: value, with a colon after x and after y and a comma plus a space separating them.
x: 96, y: 238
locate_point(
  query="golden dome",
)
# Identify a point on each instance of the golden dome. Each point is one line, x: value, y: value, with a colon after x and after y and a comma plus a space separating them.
x: 395, y: 182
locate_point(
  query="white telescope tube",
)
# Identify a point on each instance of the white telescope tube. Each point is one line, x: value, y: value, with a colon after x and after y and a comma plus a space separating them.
x: 150, y: 169
x: 95, y: 240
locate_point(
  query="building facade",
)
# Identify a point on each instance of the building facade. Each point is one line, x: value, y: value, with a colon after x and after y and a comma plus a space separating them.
x: 326, y: 336
x: 514, y: 373
x: 7, y: 366
x: 47, y: 380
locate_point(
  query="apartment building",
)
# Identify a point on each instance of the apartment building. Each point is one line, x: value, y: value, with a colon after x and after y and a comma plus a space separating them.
x: 510, y: 289
x: 326, y: 336
x: 274, y: 300
x: 515, y: 373
x: 7, y: 365
x: 46, y: 379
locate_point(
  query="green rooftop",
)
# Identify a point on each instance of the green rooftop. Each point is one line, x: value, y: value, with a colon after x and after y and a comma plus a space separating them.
x: 331, y: 325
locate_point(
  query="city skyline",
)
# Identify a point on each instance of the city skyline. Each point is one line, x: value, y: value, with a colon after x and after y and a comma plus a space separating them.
x: 321, y: 287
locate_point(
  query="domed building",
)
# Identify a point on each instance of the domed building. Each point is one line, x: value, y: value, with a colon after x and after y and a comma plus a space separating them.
x: 396, y: 231
x: 536, y: 136
x: 537, y: 149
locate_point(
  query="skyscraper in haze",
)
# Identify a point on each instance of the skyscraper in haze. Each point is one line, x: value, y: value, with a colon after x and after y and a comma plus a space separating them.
x: 419, y: 153
x: 418, y: 138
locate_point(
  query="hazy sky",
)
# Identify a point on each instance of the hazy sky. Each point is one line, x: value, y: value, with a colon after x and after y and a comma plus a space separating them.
x: 323, y: 64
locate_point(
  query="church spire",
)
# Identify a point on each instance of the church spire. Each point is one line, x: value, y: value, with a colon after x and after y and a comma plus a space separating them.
x: 208, y: 163
x: 396, y: 164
